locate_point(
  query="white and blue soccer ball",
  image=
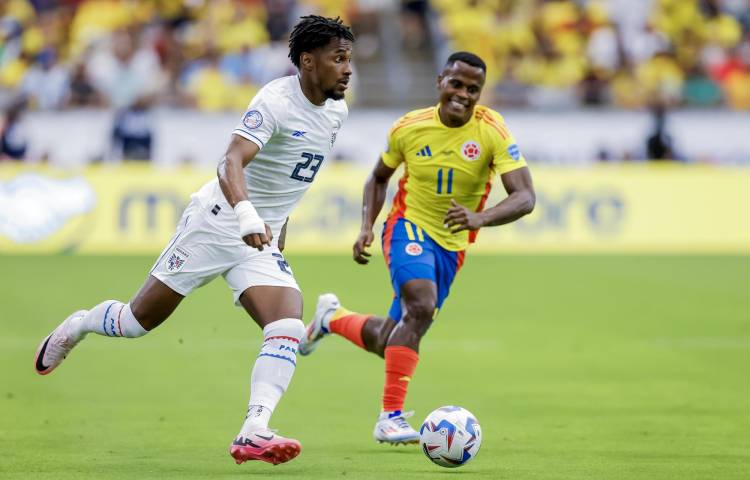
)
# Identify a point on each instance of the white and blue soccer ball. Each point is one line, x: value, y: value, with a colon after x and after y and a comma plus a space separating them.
x: 450, y: 436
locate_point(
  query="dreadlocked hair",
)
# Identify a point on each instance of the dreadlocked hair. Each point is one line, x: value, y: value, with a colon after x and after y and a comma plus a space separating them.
x: 314, y: 31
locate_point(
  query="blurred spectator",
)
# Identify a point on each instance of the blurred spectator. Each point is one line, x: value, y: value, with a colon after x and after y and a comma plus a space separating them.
x: 414, y: 24
x: 277, y: 23
x: 46, y: 83
x: 211, y: 89
x: 13, y: 137
x: 82, y: 92
x: 700, y: 90
x: 125, y: 72
x: 659, y: 144
x: 132, y: 132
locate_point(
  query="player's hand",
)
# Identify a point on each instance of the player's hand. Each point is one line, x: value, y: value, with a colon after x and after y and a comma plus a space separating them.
x: 360, y: 253
x: 257, y: 240
x: 461, y: 218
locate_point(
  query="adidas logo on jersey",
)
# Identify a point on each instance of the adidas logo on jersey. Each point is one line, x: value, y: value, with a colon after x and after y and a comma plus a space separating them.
x: 425, y: 152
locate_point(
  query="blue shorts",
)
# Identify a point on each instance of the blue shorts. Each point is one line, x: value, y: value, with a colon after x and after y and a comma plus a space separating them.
x: 411, y: 254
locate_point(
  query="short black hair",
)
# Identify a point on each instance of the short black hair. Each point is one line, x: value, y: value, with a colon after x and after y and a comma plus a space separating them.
x: 468, y: 58
x: 314, y: 31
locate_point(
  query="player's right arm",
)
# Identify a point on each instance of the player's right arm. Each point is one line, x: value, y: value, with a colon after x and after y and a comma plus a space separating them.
x: 258, y: 125
x: 373, y: 199
x: 376, y: 186
x: 240, y: 152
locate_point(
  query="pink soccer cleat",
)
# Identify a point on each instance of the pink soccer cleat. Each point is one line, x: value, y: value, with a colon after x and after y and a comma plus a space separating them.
x: 264, y: 445
x: 56, y: 346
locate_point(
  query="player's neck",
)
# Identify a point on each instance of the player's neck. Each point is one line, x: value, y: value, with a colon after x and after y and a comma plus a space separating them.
x: 453, y: 122
x: 313, y: 94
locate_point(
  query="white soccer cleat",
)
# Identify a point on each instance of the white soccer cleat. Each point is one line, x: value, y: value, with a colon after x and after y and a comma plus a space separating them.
x: 58, y: 344
x: 328, y: 303
x: 393, y: 428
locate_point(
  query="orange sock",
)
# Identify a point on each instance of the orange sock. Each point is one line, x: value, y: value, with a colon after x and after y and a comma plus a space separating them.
x: 349, y: 325
x: 400, y: 363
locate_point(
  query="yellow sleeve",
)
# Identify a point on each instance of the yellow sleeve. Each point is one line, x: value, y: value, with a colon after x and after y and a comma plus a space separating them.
x: 506, y: 156
x: 393, y: 155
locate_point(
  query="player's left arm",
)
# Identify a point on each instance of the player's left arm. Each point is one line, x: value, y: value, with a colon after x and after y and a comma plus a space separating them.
x: 519, y: 202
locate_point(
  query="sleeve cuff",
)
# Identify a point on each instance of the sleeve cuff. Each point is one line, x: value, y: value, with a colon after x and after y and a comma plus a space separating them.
x: 390, y: 161
x: 249, y: 136
x: 510, y: 167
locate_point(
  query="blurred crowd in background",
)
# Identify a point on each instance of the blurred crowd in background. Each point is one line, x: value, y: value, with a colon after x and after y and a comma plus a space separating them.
x: 128, y: 56
x: 213, y: 55
x: 626, y: 53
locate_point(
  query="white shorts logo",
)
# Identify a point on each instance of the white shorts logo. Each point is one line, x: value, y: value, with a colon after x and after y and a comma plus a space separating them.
x: 414, y: 249
x: 177, y: 260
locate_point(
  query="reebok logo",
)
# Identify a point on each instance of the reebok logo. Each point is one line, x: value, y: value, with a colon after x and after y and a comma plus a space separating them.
x: 298, y: 133
x: 425, y: 152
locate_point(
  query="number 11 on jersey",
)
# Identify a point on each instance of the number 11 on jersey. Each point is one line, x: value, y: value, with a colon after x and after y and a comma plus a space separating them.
x: 448, y: 188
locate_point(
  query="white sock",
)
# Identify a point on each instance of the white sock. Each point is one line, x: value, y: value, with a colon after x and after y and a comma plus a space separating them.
x: 273, y: 371
x: 110, y: 318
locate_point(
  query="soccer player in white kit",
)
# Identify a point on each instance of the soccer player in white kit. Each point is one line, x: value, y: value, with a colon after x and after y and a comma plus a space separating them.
x: 235, y: 226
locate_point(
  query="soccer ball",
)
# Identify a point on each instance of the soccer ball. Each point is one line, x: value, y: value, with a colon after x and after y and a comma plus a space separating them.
x: 450, y: 436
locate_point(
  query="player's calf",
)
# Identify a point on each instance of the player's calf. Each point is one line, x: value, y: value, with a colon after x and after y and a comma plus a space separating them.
x: 376, y: 333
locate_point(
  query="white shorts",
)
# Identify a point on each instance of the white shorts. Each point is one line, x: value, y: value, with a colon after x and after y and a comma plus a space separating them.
x: 200, y: 250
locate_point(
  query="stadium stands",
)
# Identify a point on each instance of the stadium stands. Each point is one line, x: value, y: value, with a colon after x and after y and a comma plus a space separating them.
x: 542, y: 53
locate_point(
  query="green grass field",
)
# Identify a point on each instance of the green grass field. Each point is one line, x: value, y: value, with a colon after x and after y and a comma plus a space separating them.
x: 577, y: 368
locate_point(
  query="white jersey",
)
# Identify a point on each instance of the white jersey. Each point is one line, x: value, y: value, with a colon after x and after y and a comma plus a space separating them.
x: 295, y: 138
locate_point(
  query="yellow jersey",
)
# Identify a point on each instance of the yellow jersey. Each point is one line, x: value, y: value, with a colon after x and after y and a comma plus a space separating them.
x: 443, y: 163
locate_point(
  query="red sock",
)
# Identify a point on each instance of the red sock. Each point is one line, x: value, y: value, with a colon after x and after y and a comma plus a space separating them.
x: 400, y: 363
x: 350, y: 327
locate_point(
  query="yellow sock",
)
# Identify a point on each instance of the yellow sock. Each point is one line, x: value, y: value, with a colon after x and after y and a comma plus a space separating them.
x: 340, y: 312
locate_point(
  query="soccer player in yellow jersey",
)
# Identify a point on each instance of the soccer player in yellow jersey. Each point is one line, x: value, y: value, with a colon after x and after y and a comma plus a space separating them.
x: 450, y: 153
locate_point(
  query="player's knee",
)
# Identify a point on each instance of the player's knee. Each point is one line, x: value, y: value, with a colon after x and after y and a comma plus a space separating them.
x: 287, y: 327
x: 421, y: 310
x: 418, y: 319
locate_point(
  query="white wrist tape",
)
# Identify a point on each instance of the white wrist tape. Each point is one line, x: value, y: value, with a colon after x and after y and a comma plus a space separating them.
x: 250, y: 221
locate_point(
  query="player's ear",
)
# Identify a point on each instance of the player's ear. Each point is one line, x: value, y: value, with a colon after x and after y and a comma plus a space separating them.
x: 306, y: 61
x: 439, y: 81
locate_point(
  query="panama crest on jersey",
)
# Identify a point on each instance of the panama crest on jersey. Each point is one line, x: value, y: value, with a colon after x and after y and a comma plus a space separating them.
x: 252, y: 119
x: 470, y: 150
x: 176, y: 260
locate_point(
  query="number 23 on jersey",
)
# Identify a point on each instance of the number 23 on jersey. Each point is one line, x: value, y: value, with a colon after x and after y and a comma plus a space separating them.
x: 306, y: 171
